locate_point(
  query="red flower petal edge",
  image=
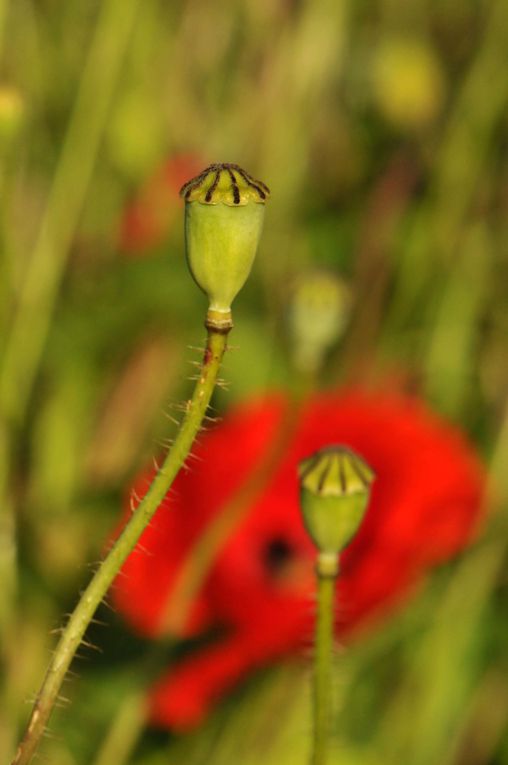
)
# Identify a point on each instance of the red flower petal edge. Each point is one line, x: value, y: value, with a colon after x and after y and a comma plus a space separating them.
x: 424, y: 508
x: 148, y: 218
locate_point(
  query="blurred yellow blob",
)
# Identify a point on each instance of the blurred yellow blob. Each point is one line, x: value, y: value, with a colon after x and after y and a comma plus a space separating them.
x: 408, y: 82
x: 12, y: 109
x: 318, y: 312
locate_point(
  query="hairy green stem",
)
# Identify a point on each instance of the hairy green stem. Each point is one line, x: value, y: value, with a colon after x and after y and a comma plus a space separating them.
x: 323, y: 651
x: 207, y: 547
x: 110, y: 566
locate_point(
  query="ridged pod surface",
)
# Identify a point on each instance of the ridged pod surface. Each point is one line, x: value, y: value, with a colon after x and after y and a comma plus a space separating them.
x: 334, y: 494
x: 224, y: 213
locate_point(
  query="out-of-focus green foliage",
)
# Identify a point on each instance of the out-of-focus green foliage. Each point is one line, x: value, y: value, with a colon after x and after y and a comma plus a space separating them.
x: 381, y: 130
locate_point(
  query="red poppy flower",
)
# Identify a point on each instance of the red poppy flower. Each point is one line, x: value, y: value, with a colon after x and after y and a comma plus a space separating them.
x: 424, y: 508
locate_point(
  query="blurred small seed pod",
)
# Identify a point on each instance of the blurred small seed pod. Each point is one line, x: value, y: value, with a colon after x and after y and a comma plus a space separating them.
x: 12, y: 112
x: 224, y: 213
x: 318, y: 311
x: 334, y: 495
x: 408, y: 82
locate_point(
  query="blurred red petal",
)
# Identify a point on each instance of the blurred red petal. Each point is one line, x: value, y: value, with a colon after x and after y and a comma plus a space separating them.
x: 425, y: 507
x: 147, y: 220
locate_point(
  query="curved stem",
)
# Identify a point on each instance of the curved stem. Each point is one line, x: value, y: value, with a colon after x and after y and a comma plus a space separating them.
x: 110, y: 566
x: 323, y: 660
x: 210, y: 542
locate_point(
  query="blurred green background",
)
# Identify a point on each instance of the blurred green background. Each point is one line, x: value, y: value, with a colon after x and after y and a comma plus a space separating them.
x: 381, y: 129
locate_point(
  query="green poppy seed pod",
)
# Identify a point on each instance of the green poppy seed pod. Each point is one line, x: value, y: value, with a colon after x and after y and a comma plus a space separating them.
x: 334, y: 494
x: 224, y: 211
x: 318, y: 312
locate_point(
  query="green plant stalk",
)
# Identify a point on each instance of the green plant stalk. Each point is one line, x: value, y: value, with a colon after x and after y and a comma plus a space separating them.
x: 110, y: 566
x: 125, y: 731
x: 209, y: 544
x: 33, y: 312
x: 207, y: 547
x: 26, y: 333
x: 3, y: 16
x: 323, y: 651
x: 478, y: 108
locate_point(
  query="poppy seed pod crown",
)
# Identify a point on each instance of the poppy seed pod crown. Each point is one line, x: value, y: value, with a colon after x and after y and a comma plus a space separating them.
x: 224, y: 212
x: 334, y: 494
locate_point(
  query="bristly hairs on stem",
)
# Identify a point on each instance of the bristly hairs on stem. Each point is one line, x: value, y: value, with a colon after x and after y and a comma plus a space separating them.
x: 224, y: 213
x: 72, y: 635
